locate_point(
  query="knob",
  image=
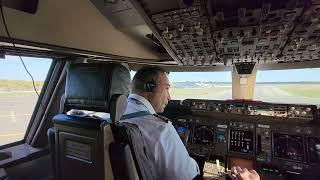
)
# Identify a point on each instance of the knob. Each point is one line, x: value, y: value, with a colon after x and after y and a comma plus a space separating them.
x: 220, y: 37
x: 254, y: 32
x: 199, y: 31
x: 180, y: 27
x: 197, y: 25
x: 166, y: 31
x: 241, y: 34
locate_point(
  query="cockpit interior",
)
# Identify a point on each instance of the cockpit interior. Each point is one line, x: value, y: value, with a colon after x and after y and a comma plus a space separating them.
x: 279, y: 140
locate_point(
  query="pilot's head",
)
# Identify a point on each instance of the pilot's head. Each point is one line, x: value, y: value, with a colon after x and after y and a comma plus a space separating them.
x: 153, y: 84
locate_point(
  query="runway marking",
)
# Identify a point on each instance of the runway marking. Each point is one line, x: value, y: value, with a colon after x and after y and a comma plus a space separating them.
x: 12, y: 134
x: 9, y: 115
x: 13, y: 117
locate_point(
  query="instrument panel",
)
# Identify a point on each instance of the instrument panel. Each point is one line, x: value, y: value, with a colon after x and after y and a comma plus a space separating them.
x: 298, y: 111
x: 265, y: 133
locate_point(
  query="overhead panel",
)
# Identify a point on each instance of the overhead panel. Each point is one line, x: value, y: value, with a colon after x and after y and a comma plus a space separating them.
x: 211, y: 32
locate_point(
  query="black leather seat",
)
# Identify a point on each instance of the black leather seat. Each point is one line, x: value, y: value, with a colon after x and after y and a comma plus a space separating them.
x: 78, y: 144
x: 128, y: 154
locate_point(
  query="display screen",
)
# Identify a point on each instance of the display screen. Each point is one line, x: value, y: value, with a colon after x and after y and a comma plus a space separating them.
x: 241, y: 141
x: 288, y: 147
x: 204, y: 135
x: 314, y: 149
x: 183, y: 133
x: 243, y: 163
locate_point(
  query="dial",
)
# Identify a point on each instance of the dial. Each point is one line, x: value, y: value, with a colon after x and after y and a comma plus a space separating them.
x: 288, y: 147
x: 314, y: 149
x: 204, y: 135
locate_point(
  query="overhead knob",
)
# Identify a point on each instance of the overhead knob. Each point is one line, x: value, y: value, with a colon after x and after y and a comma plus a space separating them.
x: 180, y: 27
x: 241, y: 33
x: 254, y: 32
x: 200, y: 31
x: 166, y: 31
x: 197, y: 25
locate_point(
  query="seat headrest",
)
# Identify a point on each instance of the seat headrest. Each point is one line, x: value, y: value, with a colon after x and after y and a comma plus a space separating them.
x: 91, y: 86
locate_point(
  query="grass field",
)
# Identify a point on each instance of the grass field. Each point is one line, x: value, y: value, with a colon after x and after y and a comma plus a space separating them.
x: 310, y: 90
x: 13, y: 88
x: 15, y: 85
x: 199, y: 93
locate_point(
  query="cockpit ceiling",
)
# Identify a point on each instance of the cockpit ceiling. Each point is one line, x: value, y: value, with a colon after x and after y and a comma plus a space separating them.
x: 183, y: 35
x: 211, y: 32
x: 78, y: 25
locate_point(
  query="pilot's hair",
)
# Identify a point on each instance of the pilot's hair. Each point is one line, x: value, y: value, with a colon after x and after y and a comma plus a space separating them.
x: 143, y: 75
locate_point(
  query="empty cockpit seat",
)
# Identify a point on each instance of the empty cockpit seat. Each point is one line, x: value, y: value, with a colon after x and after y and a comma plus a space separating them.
x: 80, y: 143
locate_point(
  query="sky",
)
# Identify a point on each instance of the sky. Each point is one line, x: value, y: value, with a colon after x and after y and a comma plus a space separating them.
x: 12, y: 69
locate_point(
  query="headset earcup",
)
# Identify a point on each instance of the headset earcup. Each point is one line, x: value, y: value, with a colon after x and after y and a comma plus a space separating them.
x: 149, y: 86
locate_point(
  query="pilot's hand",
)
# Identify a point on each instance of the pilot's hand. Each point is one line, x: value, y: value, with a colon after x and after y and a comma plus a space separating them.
x: 237, y: 173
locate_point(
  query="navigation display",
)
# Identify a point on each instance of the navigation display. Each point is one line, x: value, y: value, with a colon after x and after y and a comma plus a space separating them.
x: 183, y: 133
x: 288, y: 147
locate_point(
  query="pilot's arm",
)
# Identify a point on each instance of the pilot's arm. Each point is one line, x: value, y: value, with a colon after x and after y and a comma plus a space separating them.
x: 173, y: 159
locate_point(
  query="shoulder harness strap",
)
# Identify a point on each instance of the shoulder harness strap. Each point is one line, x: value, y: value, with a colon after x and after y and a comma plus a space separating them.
x: 141, y: 114
x: 135, y: 114
x: 164, y: 119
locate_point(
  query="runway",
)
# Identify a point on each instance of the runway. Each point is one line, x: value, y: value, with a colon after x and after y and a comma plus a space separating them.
x: 16, y: 111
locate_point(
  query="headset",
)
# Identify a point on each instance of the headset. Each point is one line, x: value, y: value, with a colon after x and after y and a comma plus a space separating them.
x: 150, y: 85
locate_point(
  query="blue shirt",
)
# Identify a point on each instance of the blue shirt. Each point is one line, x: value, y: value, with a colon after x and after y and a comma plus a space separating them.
x: 165, y: 147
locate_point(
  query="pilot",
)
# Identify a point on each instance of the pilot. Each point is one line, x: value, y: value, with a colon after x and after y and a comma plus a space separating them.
x: 150, y: 95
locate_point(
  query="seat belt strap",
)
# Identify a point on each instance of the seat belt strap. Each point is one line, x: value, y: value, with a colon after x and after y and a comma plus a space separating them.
x: 135, y: 115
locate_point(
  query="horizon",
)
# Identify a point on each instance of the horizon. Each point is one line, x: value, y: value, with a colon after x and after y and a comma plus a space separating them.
x: 12, y: 69
x: 194, y: 81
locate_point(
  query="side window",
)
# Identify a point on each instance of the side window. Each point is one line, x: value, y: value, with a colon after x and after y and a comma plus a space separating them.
x: 17, y: 95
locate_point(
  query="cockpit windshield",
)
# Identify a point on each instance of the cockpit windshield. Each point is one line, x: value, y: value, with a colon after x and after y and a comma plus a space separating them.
x: 201, y: 85
x: 277, y: 86
x: 288, y: 86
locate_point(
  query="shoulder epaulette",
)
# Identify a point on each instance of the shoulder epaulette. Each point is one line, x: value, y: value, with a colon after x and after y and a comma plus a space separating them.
x: 164, y: 119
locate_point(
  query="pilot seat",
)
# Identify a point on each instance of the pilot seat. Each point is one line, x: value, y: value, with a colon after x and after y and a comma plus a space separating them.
x: 89, y: 147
